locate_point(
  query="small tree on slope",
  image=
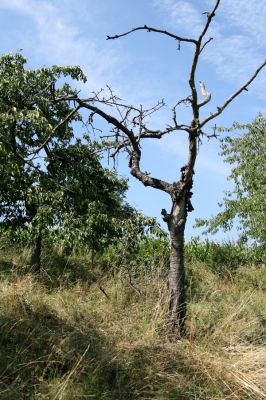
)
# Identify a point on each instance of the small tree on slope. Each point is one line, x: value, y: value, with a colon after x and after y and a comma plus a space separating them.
x: 32, y: 125
x: 130, y: 128
x: 247, y: 200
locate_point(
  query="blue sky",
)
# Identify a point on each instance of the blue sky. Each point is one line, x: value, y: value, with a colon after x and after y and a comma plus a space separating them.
x: 145, y: 67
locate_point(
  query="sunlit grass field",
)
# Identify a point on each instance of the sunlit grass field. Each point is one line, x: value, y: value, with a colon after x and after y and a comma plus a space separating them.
x: 80, y: 333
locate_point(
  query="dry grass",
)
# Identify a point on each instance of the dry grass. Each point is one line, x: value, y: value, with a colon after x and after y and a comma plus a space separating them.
x: 79, y: 343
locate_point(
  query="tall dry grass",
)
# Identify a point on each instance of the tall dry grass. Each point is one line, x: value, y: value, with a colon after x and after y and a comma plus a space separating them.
x: 107, y: 338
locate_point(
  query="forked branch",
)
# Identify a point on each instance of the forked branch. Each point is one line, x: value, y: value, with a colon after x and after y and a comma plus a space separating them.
x: 135, y: 152
x: 129, y: 126
x: 209, y: 19
x: 198, y: 50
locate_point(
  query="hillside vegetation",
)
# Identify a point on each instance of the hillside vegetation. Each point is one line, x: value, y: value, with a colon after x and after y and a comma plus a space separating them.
x: 83, y: 332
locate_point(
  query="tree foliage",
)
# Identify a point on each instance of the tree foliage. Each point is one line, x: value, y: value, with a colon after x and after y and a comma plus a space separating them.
x: 51, y: 184
x: 245, y: 204
x: 91, y: 211
x: 32, y: 126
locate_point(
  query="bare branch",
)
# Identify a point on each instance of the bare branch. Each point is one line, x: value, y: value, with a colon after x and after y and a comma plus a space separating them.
x: 210, y: 135
x: 150, y: 134
x: 197, y: 52
x: 209, y: 19
x: 207, y: 95
x: 185, y: 101
x: 147, y: 134
x: 150, y: 29
x: 145, y: 178
x: 112, y: 120
x: 205, y: 44
x: 135, y: 152
x: 233, y: 96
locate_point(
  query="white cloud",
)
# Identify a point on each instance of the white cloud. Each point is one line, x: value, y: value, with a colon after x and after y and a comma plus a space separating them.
x: 213, y: 164
x: 182, y: 15
x: 239, y: 32
x: 207, y: 157
x: 233, y: 56
x: 248, y: 17
x: 58, y: 42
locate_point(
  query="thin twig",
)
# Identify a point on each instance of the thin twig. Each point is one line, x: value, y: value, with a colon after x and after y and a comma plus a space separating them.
x: 205, y: 44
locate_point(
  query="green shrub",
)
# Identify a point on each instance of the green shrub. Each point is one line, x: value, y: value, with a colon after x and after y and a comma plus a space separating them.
x: 222, y: 258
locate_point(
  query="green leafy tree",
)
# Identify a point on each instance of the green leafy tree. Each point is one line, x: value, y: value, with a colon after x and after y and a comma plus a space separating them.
x: 48, y: 184
x: 32, y: 125
x: 245, y: 204
x: 91, y: 207
x: 43, y: 177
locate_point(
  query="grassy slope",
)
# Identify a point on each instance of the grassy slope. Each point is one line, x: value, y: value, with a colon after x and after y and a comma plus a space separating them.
x: 64, y: 340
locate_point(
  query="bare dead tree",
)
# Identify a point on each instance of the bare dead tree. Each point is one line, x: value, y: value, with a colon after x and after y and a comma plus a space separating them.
x: 129, y: 128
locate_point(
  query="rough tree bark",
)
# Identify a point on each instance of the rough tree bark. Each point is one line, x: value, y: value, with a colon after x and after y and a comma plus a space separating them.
x: 129, y: 128
x: 176, y: 282
x: 176, y: 222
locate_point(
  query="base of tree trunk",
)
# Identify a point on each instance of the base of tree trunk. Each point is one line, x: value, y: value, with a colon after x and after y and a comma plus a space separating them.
x: 177, y: 327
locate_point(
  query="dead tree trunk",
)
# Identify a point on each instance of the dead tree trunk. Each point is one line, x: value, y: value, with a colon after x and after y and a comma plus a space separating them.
x: 176, y: 222
x: 176, y: 281
x: 130, y: 126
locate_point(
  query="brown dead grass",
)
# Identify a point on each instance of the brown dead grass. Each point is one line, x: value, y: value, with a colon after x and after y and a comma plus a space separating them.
x: 69, y: 343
